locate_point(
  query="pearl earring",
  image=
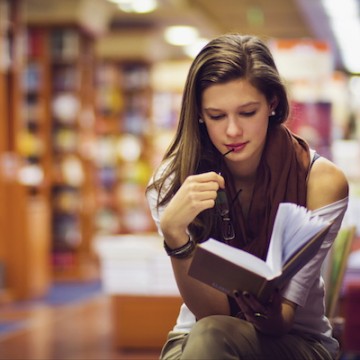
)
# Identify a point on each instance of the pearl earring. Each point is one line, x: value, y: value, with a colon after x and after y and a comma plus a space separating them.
x: 273, y: 113
x: 201, y: 121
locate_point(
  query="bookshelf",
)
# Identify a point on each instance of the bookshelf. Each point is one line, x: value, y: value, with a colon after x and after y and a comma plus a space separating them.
x: 72, y: 118
x: 4, y: 18
x: 24, y: 204
x: 44, y: 144
x: 123, y: 162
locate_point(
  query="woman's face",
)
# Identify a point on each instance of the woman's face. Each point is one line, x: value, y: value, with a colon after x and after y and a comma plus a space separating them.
x: 236, y: 116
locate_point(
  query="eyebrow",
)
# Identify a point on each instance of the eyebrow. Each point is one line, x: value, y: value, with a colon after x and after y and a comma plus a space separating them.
x: 241, y: 106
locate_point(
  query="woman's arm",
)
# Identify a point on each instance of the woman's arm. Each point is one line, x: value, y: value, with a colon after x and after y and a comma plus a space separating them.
x: 197, y: 194
x: 326, y: 184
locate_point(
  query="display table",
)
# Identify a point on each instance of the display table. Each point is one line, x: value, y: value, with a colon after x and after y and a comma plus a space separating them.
x: 137, y: 275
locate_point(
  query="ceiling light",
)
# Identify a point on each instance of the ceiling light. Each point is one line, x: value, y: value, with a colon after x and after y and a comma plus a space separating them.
x: 136, y: 6
x: 345, y: 23
x: 144, y: 6
x: 342, y: 9
x: 345, y: 33
x: 180, y: 35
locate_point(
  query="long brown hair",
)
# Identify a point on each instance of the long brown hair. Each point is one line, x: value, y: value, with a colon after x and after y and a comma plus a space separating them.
x: 223, y: 59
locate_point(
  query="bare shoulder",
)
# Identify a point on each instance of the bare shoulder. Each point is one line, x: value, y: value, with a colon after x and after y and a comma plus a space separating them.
x: 326, y: 184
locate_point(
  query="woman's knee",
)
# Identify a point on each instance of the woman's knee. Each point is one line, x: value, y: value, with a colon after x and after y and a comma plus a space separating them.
x: 218, y: 326
x: 216, y: 337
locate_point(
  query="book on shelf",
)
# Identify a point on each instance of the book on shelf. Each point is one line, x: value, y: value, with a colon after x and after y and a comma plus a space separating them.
x: 296, y: 238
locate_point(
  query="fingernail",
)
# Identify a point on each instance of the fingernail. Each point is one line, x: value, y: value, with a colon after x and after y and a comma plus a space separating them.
x: 246, y: 294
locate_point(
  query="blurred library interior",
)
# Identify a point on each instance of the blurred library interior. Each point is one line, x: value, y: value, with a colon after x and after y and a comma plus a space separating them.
x: 90, y: 92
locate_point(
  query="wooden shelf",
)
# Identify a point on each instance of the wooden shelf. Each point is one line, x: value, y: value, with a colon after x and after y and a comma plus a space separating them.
x: 123, y: 111
x: 71, y: 98
x: 24, y: 211
x: 28, y: 183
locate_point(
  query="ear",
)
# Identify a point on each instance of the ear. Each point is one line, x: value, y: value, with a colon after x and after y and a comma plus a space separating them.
x: 273, y: 104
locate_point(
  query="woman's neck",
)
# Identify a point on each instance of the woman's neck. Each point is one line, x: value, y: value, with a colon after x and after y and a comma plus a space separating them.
x: 243, y: 173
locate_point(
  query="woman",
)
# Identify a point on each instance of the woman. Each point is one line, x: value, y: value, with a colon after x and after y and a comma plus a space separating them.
x: 231, y: 138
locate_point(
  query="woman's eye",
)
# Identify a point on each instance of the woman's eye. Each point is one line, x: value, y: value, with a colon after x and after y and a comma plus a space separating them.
x: 216, y: 117
x: 248, y: 113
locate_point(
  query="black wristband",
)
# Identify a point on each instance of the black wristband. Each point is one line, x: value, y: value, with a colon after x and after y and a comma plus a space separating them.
x: 181, y: 252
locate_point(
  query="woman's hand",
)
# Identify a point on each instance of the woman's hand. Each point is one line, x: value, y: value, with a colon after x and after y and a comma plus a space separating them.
x: 274, y: 318
x: 197, y: 193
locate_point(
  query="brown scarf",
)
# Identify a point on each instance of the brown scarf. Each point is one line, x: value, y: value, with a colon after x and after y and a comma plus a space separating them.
x: 281, y: 177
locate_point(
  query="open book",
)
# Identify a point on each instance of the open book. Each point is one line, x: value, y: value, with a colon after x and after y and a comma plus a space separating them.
x: 296, y: 238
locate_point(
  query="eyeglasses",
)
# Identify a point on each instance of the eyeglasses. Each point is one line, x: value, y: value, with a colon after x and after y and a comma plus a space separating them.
x: 227, y: 228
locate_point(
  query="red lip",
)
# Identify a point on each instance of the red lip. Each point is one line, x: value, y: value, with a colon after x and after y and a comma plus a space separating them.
x: 236, y: 147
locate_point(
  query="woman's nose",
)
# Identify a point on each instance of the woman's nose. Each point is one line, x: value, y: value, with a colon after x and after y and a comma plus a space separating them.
x: 233, y: 127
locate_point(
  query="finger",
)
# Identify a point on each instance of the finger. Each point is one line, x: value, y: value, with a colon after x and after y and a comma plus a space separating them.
x: 252, y: 308
x: 196, y: 186
x: 204, y: 195
x: 277, y: 297
x: 253, y: 302
x: 197, y: 201
x: 276, y: 300
x: 208, y: 177
x: 243, y: 304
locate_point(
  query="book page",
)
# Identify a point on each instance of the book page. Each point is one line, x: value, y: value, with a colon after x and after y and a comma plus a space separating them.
x: 238, y: 257
x: 301, y: 227
x: 274, y: 255
x: 294, y: 226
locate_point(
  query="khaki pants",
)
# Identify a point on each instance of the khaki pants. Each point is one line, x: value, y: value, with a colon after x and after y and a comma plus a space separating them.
x: 224, y: 337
